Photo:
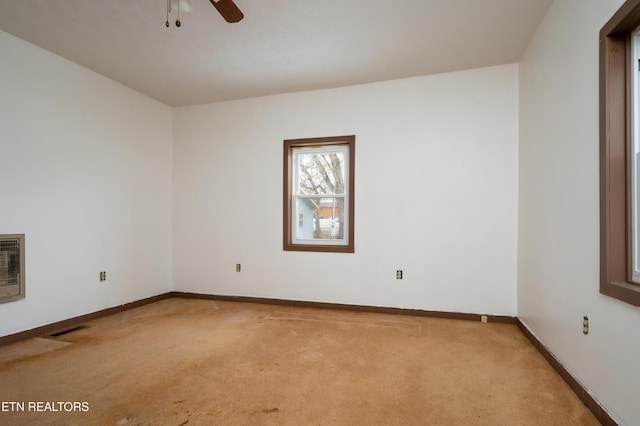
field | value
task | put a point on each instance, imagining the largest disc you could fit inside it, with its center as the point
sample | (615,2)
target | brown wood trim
(70,322)
(287,188)
(286,197)
(46,329)
(625,19)
(589,401)
(615,137)
(346,307)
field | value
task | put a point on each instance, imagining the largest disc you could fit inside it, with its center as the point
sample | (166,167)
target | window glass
(318,194)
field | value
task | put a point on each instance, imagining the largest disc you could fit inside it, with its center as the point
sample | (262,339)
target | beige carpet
(202,362)
(29,348)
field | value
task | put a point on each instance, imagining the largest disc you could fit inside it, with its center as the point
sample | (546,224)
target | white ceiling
(280,46)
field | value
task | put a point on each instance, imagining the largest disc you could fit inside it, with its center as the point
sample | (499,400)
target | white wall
(86,174)
(558,275)
(436,194)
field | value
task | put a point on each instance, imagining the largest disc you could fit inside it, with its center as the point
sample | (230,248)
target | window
(11,267)
(319,192)
(634,157)
(619,145)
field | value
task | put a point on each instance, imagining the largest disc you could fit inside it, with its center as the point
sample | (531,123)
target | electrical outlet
(585,325)
(399,274)
(483,318)
(238,267)
(103,276)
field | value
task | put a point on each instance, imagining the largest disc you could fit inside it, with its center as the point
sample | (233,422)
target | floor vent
(68,330)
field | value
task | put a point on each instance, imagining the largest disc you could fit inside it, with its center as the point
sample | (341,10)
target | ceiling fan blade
(228,10)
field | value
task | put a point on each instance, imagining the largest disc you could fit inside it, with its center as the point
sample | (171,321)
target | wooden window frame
(615,151)
(289,145)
